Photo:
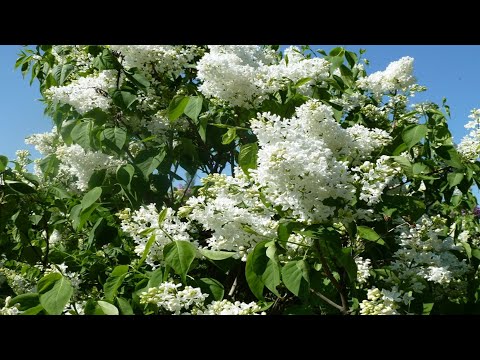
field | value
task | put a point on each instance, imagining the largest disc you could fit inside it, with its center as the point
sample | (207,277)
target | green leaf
(194,107)
(156,278)
(348,263)
(33,310)
(3,162)
(114,136)
(106,61)
(450,155)
(302,81)
(85,216)
(369,234)
(91,197)
(124,99)
(419,168)
(213,287)
(247,157)
(81,134)
(179,256)
(97,178)
(229,136)
(20,187)
(476,253)
(295,276)
(271,274)
(412,134)
(468,249)
(202,128)
(125,174)
(47,282)
(148,245)
(114,281)
(454,178)
(162,216)
(124,306)
(216,255)
(61,73)
(351,58)
(54,300)
(177,107)
(148,160)
(427,308)
(26,301)
(405,164)
(255,267)
(105,308)
(336,51)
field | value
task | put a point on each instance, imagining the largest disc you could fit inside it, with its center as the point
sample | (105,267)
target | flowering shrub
(237,180)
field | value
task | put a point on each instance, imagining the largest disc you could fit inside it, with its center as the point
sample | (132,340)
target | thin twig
(327,300)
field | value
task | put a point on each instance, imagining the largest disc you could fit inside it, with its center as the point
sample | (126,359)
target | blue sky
(448,71)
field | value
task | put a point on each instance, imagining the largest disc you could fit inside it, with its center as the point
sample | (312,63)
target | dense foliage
(237,180)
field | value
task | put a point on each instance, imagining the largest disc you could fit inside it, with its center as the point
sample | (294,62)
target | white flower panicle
(143,224)
(373,178)
(226,307)
(427,254)
(165,59)
(10,309)
(469,147)
(294,67)
(80,164)
(297,165)
(365,140)
(384,302)
(85,93)
(233,72)
(170,298)
(190,301)
(397,76)
(244,74)
(231,208)
(19,283)
(363,269)
(45,143)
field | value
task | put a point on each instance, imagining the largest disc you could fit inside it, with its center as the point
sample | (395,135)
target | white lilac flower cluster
(190,301)
(17,282)
(375,177)
(384,302)
(427,253)
(397,76)
(80,164)
(162,59)
(22,161)
(142,224)
(9,309)
(230,207)
(469,147)
(225,307)
(350,101)
(363,269)
(299,160)
(244,74)
(168,296)
(45,143)
(85,93)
